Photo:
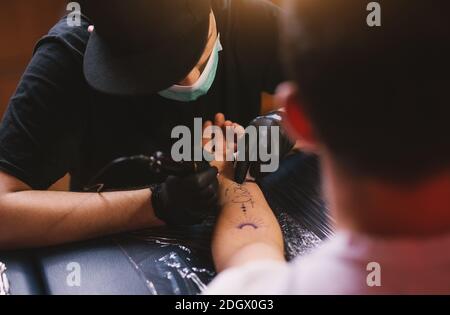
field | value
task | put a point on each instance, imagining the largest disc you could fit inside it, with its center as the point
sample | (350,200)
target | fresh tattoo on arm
(240,195)
(247,221)
(247,225)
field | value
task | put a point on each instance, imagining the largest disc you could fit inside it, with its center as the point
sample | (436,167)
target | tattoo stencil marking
(241,195)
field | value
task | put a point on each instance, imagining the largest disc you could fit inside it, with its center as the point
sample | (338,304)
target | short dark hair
(378,97)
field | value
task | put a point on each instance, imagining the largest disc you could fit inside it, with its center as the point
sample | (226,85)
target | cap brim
(145,73)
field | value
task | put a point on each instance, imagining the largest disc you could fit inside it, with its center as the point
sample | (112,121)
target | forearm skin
(42,218)
(246,223)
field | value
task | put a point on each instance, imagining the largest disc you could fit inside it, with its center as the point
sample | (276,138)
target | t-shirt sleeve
(256,278)
(41,131)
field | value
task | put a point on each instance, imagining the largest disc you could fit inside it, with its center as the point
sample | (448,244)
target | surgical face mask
(201,87)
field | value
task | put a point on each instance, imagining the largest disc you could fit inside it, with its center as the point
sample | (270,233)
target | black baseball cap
(141,47)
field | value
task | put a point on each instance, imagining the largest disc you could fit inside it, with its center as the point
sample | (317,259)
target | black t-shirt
(56,123)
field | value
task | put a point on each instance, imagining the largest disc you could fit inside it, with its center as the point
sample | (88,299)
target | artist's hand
(285,145)
(187,200)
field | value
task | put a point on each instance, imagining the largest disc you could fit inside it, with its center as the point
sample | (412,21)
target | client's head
(374,102)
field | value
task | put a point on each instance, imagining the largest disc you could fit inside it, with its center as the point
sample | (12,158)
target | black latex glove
(285,146)
(187,200)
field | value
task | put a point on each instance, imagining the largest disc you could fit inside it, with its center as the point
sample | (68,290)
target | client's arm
(246,229)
